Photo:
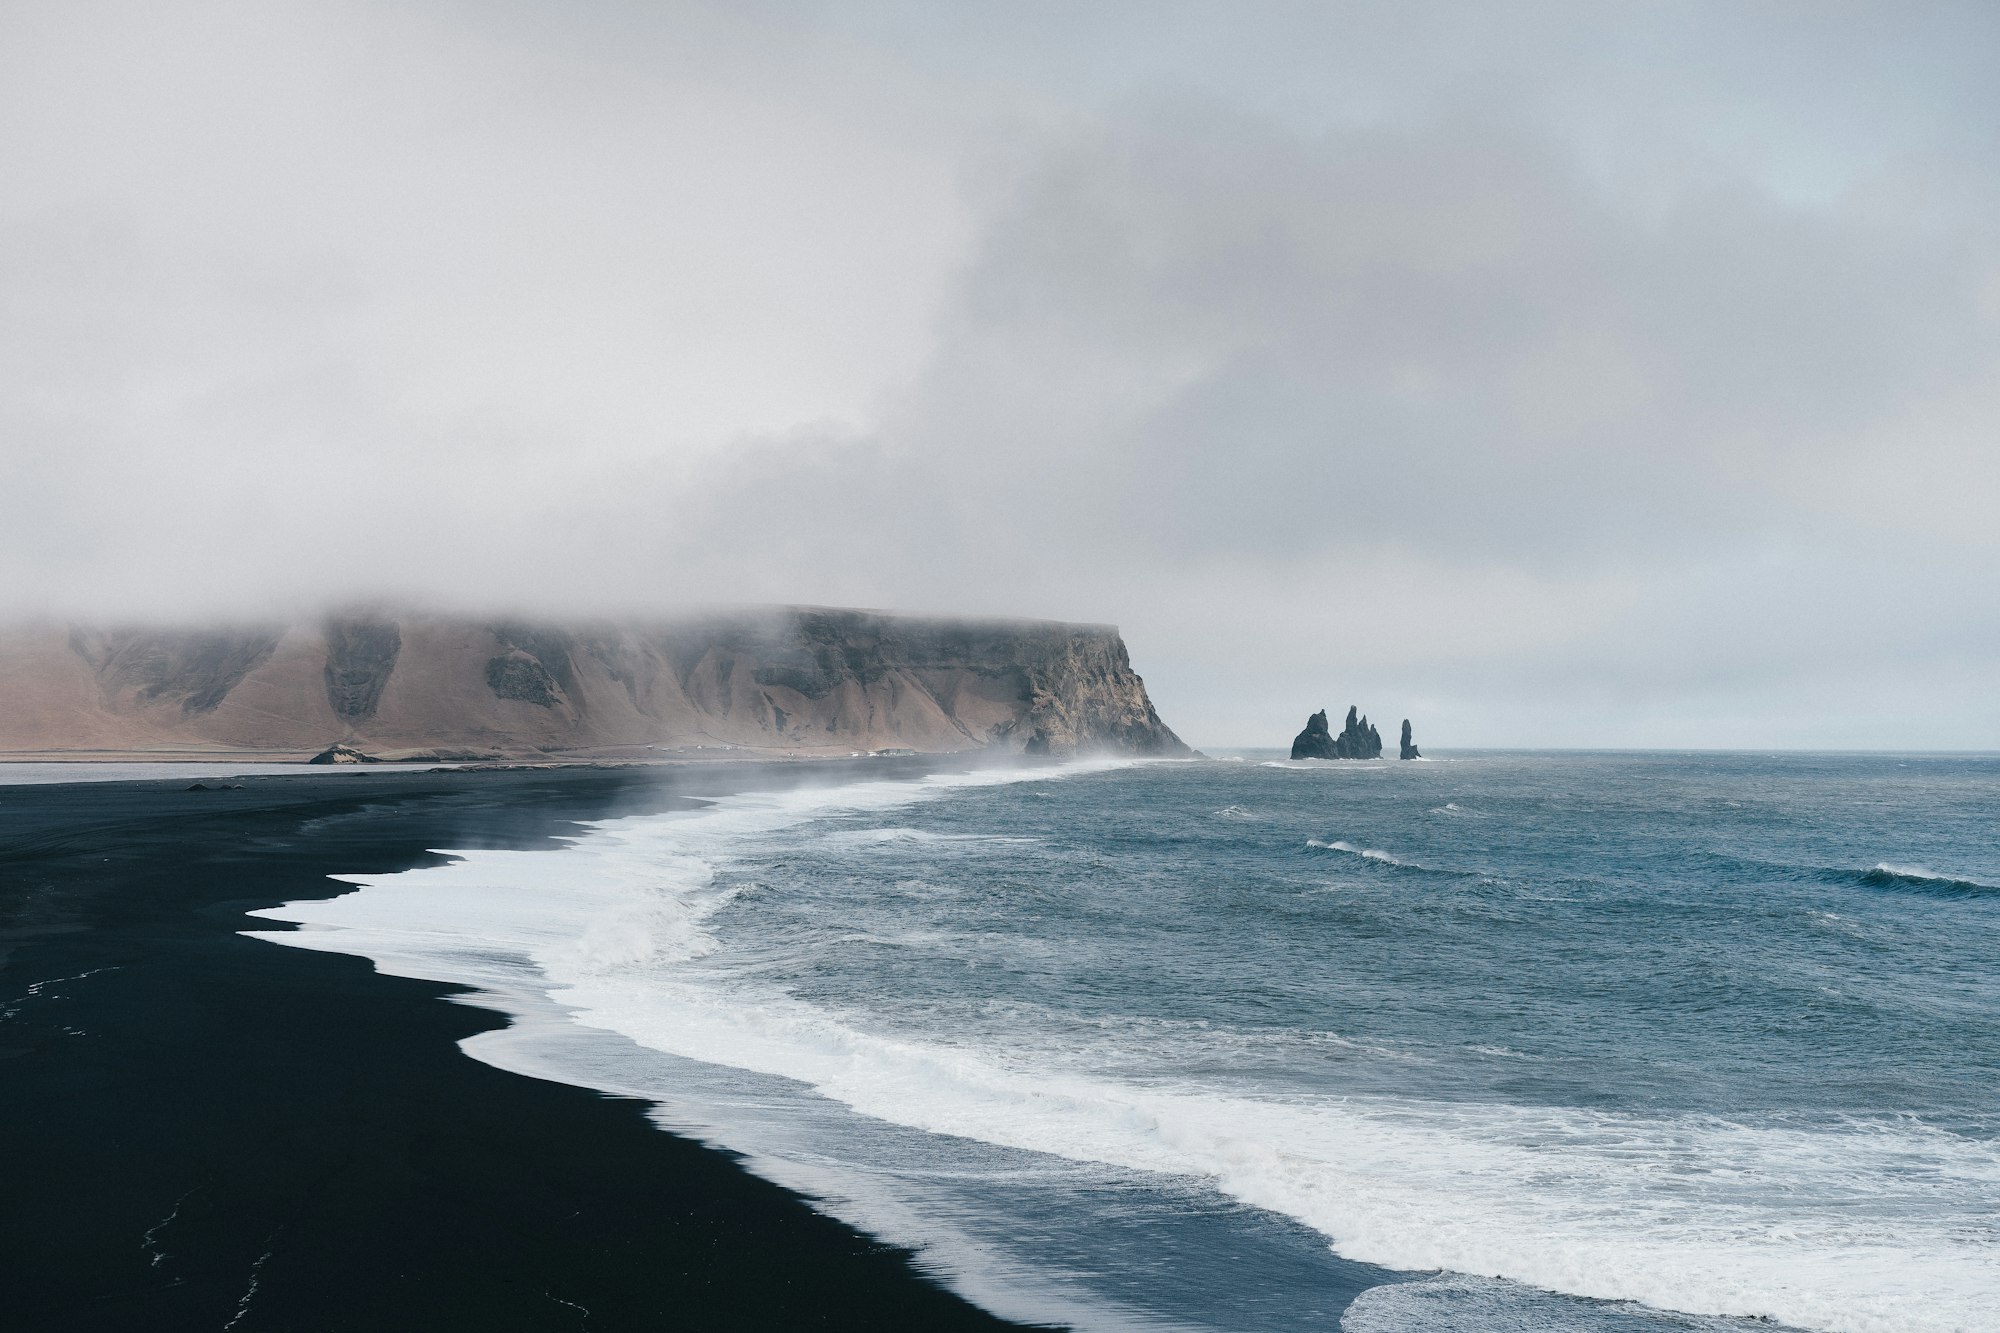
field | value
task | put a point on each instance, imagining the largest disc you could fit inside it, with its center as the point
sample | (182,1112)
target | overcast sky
(1572,374)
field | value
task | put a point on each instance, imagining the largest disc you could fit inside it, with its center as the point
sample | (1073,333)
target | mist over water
(1579,1033)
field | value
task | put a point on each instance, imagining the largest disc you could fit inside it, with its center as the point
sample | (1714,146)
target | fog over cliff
(1549,373)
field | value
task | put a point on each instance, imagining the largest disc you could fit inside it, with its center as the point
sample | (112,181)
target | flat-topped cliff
(793,679)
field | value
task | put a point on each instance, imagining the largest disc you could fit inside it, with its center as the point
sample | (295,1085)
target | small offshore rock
(1409,746)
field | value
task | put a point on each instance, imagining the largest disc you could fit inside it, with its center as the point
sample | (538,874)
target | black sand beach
(206,1132)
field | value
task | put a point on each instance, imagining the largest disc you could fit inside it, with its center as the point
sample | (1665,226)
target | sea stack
(1357,740)
(1409,746)
(1316,741)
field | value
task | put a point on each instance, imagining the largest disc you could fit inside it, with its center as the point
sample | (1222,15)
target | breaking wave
(1327,765)
(1389,861)
(1922,880)
(1693,1213)
(1365,853)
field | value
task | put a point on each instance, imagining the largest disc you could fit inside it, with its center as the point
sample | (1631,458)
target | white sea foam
(880,837)
(1366,853)
(1459,1303)
(1925,875)
(1876,1227)
(1327,765)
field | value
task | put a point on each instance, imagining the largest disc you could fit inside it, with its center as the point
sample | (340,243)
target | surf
(686,935)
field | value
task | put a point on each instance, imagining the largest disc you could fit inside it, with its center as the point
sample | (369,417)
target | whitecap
(1696,1214)
(1366,853)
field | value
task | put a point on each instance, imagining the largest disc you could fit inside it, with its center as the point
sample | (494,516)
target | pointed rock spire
(1316,741)
(1359,739)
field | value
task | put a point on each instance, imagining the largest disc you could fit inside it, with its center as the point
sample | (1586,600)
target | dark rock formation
(194,669)
(360,655)
(1409,746)
(1316,741)
(342,754)
(551,649)
(522,677)
(1357,740)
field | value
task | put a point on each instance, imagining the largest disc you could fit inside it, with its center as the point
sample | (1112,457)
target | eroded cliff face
(794,680)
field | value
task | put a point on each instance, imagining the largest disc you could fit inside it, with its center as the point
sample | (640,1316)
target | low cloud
(1482,396)
(1423,410)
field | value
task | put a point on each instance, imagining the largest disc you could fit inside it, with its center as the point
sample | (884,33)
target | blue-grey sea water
(1492,1041)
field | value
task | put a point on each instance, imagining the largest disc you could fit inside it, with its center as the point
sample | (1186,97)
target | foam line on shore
(1685,1213)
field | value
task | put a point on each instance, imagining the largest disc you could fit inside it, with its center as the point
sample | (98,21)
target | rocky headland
(785,680)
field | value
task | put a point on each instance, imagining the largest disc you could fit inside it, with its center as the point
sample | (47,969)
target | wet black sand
(203,1131)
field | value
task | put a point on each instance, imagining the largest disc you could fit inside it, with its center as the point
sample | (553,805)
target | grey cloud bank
(1552,375)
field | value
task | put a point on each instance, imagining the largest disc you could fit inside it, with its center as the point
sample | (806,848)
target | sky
(1553,374)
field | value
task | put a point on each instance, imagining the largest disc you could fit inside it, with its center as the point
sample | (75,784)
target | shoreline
(227,1134)
(618,756)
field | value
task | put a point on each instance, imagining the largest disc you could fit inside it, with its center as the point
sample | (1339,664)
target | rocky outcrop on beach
(790,680)
(1357,740)
(342,754)
(1409,745)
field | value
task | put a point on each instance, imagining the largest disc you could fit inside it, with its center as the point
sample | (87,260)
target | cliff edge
(793,680)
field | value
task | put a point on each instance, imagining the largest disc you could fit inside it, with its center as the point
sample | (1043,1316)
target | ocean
(1493,1041)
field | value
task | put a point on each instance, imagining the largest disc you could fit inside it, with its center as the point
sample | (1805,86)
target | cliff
(790,680)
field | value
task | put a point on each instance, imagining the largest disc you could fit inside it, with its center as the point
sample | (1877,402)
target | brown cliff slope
(797,679)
